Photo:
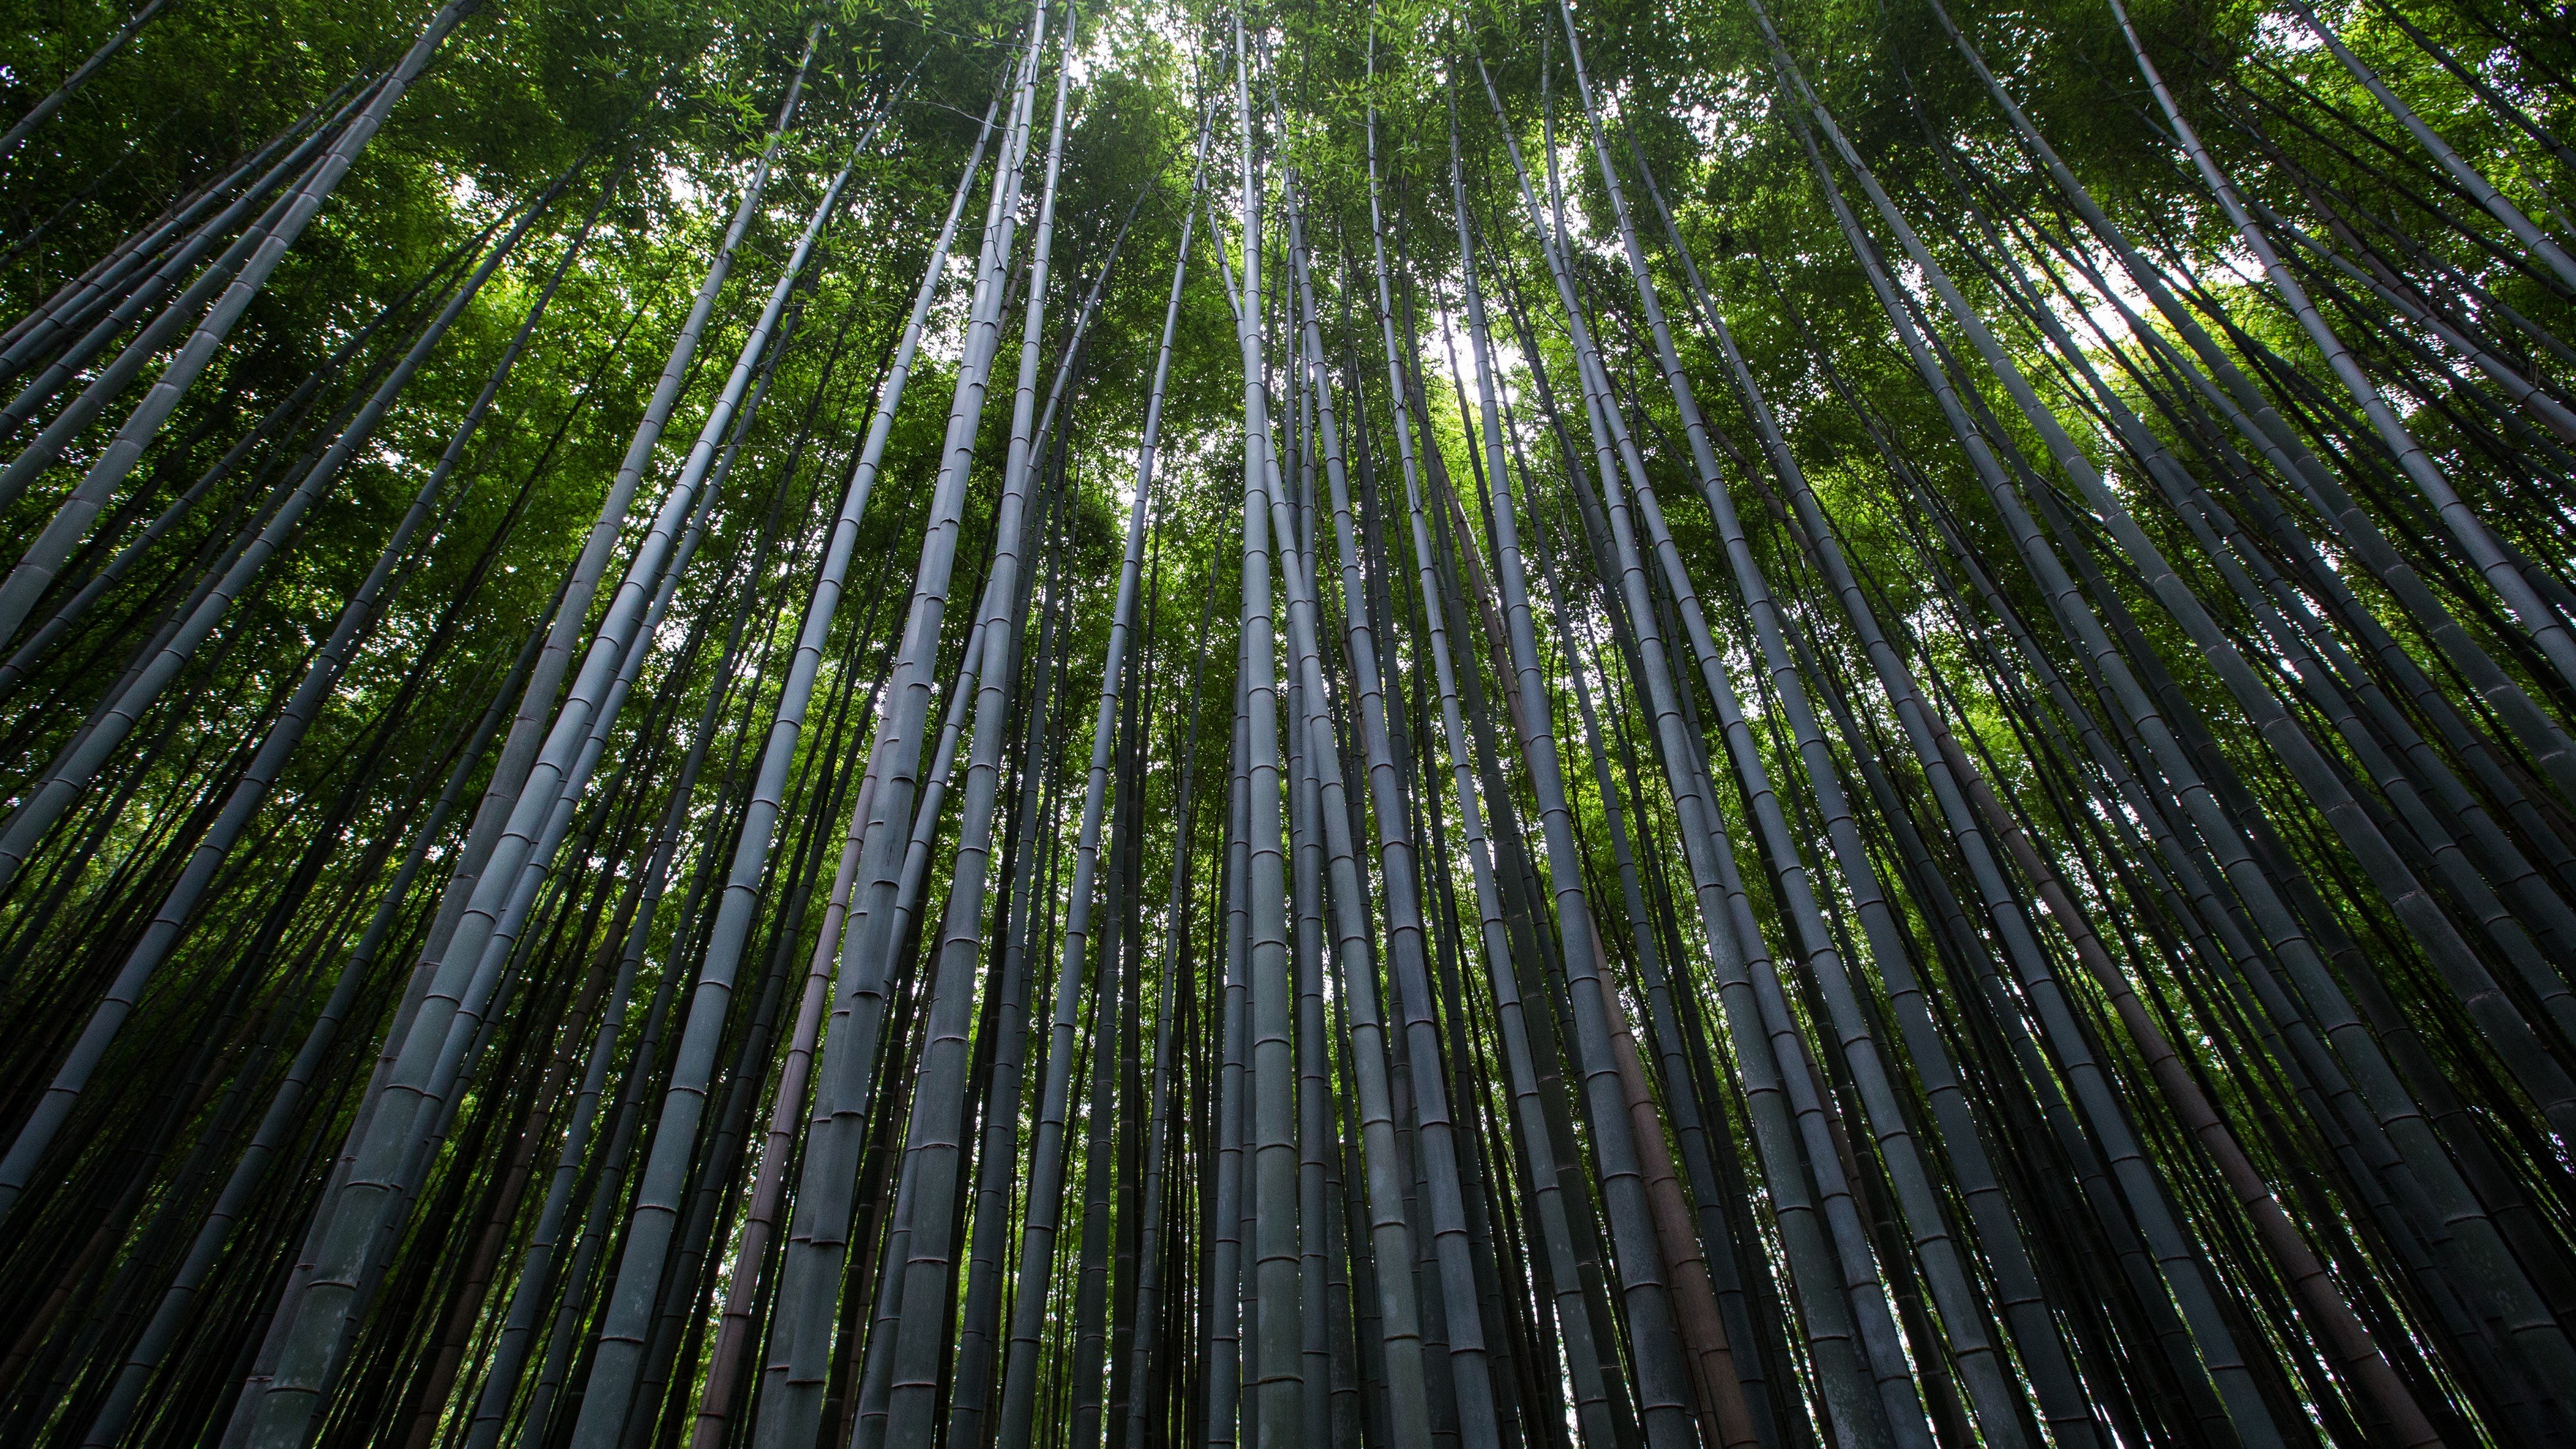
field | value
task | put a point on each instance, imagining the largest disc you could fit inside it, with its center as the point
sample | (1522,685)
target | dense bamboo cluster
(1564,848)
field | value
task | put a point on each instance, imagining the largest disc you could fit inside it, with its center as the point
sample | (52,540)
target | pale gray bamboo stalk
(2471,180)
(715,1400)
(46,449)
(802,1337)
(2546,629)
(105,282)
(1442,1162)
(2261,423)
(2551,1087)
(528,729)
(1221,1324)
(53,101)
(1574,1323)
(2024,1308)
(932,1155)
(1271,1178)
(971,1376)
(321,677)
(80,761)
(2422,1172)
(1146,1317)
(1043,1213)
(71,521)
(143,1360)
(630,1303)
(449,1016)
(1662,1377)
(486,998)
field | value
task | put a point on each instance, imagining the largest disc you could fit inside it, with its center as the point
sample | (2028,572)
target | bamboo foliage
(1896,769)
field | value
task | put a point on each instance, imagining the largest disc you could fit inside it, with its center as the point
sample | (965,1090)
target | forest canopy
(1711,724)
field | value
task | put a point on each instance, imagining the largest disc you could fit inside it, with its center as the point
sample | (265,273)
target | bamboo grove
(1729,723)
